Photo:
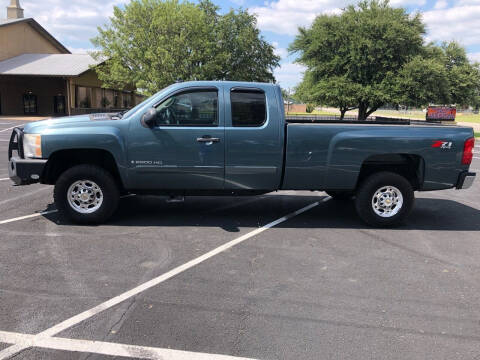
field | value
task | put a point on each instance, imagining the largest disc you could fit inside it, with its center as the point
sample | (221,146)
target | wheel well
(63,160)
(409,166)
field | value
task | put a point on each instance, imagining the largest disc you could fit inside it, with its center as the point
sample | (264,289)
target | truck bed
(330,154)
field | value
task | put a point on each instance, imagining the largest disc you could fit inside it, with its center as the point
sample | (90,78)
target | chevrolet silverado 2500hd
(232,138)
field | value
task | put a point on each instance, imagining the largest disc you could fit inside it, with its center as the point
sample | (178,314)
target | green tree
(463,77)
(336,91)
(240,52)
(353,59)
(153,43)
(441,75)
(423,81)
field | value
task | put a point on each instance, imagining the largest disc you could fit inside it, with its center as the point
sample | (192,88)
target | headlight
(32,146)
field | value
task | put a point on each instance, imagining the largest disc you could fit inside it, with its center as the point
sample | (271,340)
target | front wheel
(384,199)
(86,194)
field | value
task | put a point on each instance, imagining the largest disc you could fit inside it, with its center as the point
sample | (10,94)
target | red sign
(441,113)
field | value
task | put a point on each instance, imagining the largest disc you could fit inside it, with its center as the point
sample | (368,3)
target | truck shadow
(233,213)
(427,214)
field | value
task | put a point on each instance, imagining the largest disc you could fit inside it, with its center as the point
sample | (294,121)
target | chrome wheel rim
(387,201)
(85,196)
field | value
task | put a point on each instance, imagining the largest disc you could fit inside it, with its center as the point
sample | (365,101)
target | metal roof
(47,64)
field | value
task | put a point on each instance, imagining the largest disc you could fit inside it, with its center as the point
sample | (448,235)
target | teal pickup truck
(232,138)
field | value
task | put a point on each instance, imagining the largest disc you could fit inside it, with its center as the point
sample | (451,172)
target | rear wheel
(384,199)
(341,195)
(86,194)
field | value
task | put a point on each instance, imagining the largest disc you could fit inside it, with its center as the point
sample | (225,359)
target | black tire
(367,190)
(341,195)
(102,178)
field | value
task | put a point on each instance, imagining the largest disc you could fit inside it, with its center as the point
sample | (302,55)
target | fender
(107,138)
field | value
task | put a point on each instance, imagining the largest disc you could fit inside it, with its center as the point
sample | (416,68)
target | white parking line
(4,179)
(27,217)
(12,350)
(10,128)
(108,348)
(43,213)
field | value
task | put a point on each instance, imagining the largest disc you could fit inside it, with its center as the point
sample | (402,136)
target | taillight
(468,151)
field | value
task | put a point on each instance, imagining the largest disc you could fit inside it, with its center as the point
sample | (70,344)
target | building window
(127,100)
(30,103)
(84,97)
(108,99)
(115,100)
(248,107)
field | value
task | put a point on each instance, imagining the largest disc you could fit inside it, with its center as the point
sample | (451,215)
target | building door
(59,105)
(29,104)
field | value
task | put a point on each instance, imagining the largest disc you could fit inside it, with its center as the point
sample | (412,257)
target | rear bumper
(25,171)
(465,180)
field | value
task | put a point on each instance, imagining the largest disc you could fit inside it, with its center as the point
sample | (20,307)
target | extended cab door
(185,149)
(254,137)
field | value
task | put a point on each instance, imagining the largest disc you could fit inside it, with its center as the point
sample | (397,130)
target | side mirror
(148,119)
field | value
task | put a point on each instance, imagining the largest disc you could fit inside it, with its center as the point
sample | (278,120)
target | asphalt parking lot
(225,278)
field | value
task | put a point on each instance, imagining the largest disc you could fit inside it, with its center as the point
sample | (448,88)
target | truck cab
(209,136)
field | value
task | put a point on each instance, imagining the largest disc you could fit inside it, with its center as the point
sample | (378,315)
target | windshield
(133,110)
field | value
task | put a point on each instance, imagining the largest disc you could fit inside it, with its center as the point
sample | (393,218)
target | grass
(418,115)
(414,115)
(473,118)
(477,134)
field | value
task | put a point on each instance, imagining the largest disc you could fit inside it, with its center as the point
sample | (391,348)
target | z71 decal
(442,144)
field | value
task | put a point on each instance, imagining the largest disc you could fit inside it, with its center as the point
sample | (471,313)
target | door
(30,104)
(59,105)
(185,148)
(254,135)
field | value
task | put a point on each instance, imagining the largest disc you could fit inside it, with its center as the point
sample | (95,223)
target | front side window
(248,108)
(194,108)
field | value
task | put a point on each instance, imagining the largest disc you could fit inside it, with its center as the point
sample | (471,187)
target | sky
(74,22)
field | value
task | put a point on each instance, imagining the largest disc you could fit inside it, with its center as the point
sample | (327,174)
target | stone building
(40,76)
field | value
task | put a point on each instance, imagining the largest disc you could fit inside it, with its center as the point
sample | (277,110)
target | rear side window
(249,108)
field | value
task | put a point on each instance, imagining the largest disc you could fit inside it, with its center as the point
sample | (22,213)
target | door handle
(207,139)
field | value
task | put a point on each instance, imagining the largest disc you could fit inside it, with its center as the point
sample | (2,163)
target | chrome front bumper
(20,170)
